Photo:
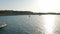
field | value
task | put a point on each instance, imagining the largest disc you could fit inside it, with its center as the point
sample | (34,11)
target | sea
(30,24)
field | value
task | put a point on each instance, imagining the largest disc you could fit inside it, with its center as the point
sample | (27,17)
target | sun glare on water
(49,23)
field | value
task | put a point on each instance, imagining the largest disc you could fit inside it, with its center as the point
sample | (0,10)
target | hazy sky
(32,5)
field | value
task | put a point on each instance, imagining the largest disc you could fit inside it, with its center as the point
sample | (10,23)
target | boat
(3,25)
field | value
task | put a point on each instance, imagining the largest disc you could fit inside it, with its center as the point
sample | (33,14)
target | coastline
(10,13)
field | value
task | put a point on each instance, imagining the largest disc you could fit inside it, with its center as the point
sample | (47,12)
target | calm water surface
(33,24)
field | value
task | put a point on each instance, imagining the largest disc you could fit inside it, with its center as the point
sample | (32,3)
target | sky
(31,5)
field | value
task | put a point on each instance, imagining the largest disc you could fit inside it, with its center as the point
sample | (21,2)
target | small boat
(3,25)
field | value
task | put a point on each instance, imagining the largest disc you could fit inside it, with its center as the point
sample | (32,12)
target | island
(12,12)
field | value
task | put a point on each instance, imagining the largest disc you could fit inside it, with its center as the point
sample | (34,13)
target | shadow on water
(3,30)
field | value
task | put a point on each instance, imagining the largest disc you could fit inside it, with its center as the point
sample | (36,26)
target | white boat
(3,25)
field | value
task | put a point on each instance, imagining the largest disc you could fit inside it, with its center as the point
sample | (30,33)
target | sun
(46,5)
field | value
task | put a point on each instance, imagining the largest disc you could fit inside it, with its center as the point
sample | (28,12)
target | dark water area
(23,24)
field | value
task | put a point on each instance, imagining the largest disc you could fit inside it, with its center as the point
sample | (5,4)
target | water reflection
(49,23)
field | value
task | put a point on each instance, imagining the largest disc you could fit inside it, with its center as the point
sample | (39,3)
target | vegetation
(11,12)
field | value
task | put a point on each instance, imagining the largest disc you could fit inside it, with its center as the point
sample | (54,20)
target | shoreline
(11,13)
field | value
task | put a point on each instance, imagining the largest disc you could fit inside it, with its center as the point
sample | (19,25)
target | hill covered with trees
(12,12)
